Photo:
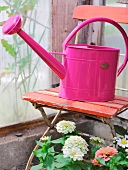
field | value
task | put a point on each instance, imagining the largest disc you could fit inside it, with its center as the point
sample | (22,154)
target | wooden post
(92,33)
(82,36)
(83,2)
(62,24)
(95,33)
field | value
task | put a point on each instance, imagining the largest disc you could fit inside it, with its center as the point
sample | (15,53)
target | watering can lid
(93,47)
(7,28)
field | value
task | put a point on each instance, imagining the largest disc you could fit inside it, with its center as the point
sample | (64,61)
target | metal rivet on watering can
(104,65)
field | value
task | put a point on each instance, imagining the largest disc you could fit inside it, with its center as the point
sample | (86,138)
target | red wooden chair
(105,111)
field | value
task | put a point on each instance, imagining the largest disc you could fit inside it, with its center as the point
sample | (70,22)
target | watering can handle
(101,19)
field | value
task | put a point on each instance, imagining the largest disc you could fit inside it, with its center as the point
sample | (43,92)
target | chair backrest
(118,14)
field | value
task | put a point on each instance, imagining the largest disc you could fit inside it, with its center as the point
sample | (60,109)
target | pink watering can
(87,72)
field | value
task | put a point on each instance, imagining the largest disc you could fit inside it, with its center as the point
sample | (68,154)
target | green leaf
(38,153)
(9,48)
(41,159)
(48,163)
(60,165)
(125,163)
(59,141)
(3,8)
(85,165)
(120,130)
(120,167)
(40,143)
(112,167)
(117,157)
(51,151)
(22,62)
(28,6)
(77,167)
(100,168)
(44,154)
(101,161)
(61,161)
(60,158)
(37,167)
(93,151)
(69,167)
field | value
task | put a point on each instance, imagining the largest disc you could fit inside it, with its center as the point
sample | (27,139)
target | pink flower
(106,153)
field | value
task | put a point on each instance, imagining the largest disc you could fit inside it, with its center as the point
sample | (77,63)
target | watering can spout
(13,25)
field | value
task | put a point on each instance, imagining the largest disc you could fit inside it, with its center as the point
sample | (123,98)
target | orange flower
(95,162)
(106,153)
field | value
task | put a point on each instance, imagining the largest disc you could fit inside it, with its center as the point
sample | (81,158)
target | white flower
(122,142)
(65,126)
(126,150)
(74,153)
(126,136)
(76,142)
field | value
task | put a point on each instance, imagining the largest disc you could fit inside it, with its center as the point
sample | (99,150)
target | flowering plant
(75,154)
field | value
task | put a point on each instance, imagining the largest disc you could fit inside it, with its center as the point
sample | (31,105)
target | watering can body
(90,73)
(87,72)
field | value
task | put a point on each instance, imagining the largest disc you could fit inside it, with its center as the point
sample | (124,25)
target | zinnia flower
(105,153)
(74,153)
(96,162)
(123,142)
(65,126)
(75,145)
(96,141)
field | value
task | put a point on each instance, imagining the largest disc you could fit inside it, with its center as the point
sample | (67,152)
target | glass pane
(21,70)
(113,38)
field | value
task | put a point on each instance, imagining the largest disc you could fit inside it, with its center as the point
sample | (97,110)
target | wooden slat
(119,107)
(125,103)
(118,14)
(60,103)
(121,98)
(53,89)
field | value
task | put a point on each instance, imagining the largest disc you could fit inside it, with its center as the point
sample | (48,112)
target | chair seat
(50,98)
